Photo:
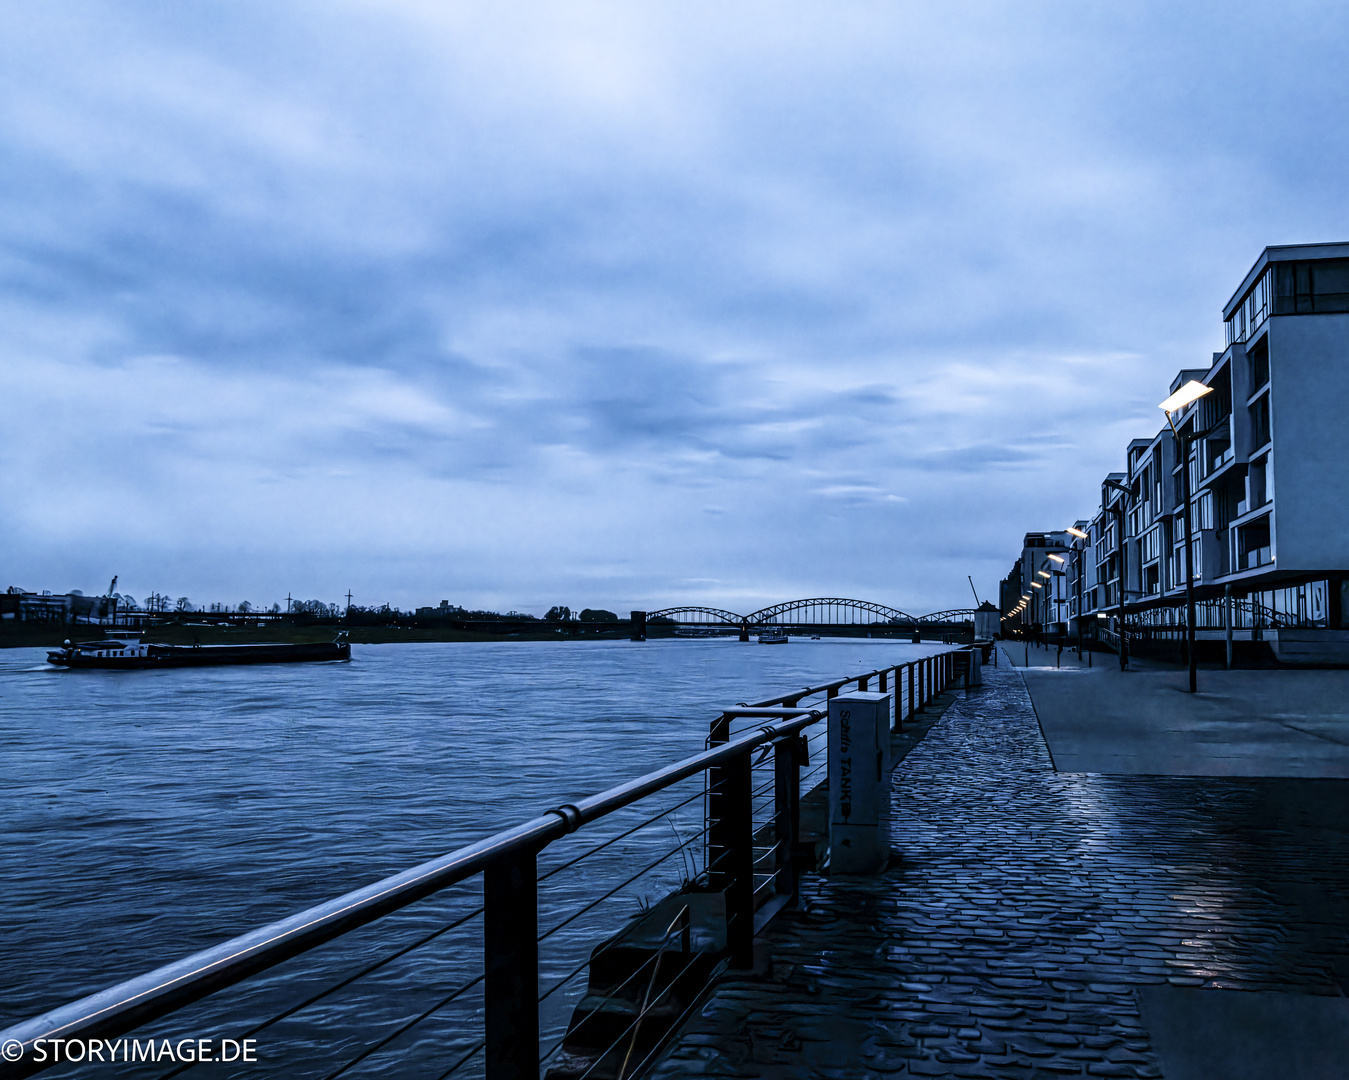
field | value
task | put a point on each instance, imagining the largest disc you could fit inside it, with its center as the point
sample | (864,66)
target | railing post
(912,709)
(730,856)
(862,682)
(788,756)
(511,983)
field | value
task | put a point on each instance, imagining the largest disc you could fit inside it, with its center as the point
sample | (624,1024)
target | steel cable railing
(342,985)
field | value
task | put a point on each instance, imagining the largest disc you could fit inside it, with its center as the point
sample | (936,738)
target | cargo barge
(130,652)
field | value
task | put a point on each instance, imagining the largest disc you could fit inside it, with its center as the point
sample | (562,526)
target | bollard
(859,783)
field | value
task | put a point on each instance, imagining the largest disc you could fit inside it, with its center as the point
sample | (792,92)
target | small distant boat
(773,637)
(129,653)
(814,637)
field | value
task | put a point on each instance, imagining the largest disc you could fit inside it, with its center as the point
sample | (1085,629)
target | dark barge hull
(175,656)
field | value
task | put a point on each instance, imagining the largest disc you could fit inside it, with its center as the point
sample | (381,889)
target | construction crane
(112,588)
(972,589)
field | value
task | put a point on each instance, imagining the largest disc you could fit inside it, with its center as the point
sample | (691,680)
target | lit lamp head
(1034,584)
(1074,531)
(1192,391)
(1058,559)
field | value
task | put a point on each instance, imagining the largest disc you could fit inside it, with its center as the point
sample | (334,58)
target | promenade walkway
(1036,923)
(1283,722)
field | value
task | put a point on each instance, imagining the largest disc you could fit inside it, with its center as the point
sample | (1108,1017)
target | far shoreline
(33,637)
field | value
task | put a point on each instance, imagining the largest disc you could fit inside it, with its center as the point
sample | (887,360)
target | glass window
(1258,359)
(1307,288)
(1259,412)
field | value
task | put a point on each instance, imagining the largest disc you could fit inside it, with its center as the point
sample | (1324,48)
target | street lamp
(1118,511)
(1192,391)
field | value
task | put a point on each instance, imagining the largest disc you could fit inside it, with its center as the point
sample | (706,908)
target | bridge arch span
(709,615)
(950,615)
(811,611)
(822,607)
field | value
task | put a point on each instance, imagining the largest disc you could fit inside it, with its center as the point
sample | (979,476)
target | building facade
(1268,477)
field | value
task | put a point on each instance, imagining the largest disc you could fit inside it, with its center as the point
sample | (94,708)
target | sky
(619,305)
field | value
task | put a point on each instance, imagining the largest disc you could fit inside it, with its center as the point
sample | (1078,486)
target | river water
(149,814)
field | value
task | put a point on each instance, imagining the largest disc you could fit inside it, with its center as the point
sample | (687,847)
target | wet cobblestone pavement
(1026,910)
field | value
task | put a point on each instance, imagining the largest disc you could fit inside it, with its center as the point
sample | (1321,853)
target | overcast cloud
(618,305)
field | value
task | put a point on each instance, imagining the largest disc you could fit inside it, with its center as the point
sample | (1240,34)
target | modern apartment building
(1269,482)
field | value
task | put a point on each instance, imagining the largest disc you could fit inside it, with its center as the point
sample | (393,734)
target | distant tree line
(182,608)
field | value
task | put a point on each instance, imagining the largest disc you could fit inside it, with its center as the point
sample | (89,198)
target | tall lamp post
(1192,391)
(1062,598)
(1118,511)
(1078,573)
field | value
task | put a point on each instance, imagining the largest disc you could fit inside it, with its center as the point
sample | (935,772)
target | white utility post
(859,783)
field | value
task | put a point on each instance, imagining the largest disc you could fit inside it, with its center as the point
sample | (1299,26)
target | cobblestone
(1025,908)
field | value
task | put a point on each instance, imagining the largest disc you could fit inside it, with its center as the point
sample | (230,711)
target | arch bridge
(816,613)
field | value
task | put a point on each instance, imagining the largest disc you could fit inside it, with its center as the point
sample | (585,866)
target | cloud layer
(617,306)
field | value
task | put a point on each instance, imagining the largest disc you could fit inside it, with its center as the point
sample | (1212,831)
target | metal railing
(752,861)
